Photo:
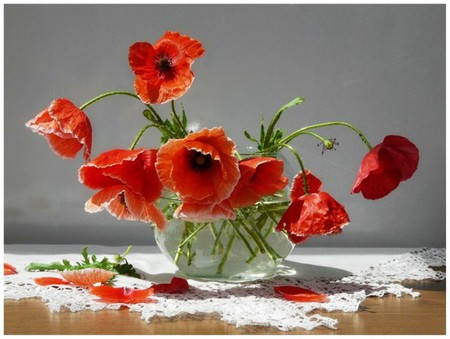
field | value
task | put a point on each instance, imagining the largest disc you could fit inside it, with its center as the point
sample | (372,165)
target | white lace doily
(252,303)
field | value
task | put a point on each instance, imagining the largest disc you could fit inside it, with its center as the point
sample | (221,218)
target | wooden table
(388,315)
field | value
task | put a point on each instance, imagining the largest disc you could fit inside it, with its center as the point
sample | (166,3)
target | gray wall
(381,67)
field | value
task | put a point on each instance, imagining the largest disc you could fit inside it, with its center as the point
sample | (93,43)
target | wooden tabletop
(388,315)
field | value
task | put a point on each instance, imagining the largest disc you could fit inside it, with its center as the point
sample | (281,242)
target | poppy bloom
(298,185)
(128,184)
(385,166)
(313,214)
(259,176)
(204,212)
(163,71)
(66,128)
(200,168)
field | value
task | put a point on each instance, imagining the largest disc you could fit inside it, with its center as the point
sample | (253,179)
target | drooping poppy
(313,214)
(66,128)
(126,295)
(163,71)
(260,176)
(128,184)
(385,166)
(200,168)
(298,185)
(299,294)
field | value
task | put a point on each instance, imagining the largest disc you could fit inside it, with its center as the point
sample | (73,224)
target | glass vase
(247,248)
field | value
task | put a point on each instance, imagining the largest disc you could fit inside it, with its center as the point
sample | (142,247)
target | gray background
(381,67)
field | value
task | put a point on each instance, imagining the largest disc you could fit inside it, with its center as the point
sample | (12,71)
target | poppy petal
(121,294)
(192,48)
(176,285)
(88,276)
(300,294)
(144,210)
(9,269)
(46,281)
(140,57)
(260,176)
(205,212)
(147,90)
(298,186)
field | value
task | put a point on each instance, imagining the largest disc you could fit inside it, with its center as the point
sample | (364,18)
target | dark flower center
(164,66)
(199,162)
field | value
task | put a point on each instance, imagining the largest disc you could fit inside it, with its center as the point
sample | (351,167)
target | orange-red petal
(260,176)
(300,294)
(88,277)
(191,48)
(205,212)
(121,294)
(9,269)
(46,281)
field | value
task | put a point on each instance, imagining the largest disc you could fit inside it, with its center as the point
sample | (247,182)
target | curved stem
(295,134)
(107,94)
(300,162)
(139,136)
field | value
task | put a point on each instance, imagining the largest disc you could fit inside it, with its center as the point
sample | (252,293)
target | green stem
(300,162)
(216,242)
(107,94)
(247,244)
(177,119)
(194,233)
(277,116)
(295,134)
(225,255)
(139,136)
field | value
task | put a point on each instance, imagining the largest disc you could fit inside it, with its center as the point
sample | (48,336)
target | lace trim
(253,303)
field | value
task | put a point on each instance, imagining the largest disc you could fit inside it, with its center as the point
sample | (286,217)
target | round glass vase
(244,249)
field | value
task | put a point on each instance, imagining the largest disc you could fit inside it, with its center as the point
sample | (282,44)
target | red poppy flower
(385,166)
(259,176)
(121,294)
(66,128)
(313,214)
(128,183)
(200,168)
(163,71)
(298,186)
(300,294)
(9,269)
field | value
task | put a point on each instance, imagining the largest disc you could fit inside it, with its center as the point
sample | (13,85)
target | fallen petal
(300,294)
(121,294)
(46,281)
(176,285)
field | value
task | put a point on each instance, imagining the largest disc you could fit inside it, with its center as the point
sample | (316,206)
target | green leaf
(249,137)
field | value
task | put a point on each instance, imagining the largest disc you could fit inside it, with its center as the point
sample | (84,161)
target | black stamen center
(164,64)
(199,161)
